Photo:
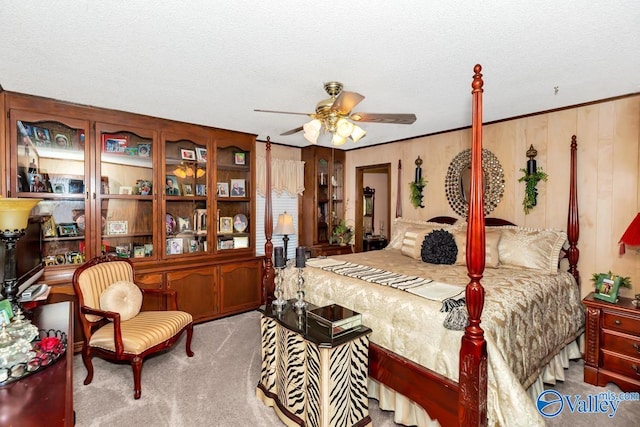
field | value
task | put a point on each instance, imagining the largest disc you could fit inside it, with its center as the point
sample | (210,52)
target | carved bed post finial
(399,195)
(472,400)
(268,273)
(573,223)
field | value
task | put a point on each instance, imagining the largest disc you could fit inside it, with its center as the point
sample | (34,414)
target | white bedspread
(528,318)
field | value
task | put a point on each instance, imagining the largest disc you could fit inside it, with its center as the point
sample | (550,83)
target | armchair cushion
(143,331)
(122,297)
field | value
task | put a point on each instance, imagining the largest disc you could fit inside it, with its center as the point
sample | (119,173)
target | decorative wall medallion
(457,182)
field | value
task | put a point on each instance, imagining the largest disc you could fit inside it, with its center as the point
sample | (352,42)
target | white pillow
(491,242)
(401,225)
(122,297)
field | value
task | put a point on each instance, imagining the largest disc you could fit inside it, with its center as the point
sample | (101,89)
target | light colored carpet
(217,386)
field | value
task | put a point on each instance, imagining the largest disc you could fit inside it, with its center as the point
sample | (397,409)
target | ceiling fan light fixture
(358,133)
(312,130)
(200,173)
(344,127)
(338,140)
(180,172)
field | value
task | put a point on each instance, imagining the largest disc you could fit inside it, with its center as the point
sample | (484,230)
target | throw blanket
(426,288)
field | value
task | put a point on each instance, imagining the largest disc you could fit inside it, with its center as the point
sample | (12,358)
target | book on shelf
(336,319)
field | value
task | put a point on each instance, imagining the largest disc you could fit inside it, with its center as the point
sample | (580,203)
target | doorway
(378,178)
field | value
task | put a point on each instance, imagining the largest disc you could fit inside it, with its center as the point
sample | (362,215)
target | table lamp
(14,218)
(631,236)
(285,227)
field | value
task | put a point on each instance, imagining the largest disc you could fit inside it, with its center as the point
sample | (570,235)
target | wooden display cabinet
(323,202)
(102,175)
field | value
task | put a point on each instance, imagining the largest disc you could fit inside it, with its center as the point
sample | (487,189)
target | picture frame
(49,228)
(144,150)
(148,249)
(201,190)
(6,313)
(607,287)
(223,189)
(184,224)
(131,151)
(117,227)
(62,141)
(187,190)
(104,185)
(201,154)
(225,244)
(239,157)
(237,188)
(226,224)
(194,246)
(187,154)
(114,143)
(138,252)
(76,186)
(240,242)
(171,186)
(126,190)
(175,246)
(67,230)
(42,136)
(200,221)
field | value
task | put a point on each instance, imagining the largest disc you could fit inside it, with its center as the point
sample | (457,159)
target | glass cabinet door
(185,187)
(325,215)
(48,156)
(233,198)
(337,191)
(125,191)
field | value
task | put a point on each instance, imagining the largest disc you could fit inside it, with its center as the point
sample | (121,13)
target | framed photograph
(200,221)
(37,184)
(42,136)
(49,228)
(184,224)
(187,190)
(201,154)
(193,245)
(171,186)
(6,313)
(223,189)
(131,151)
(138,252)
(237,188)
(187,154)
(201,190)
(76,186)
(125,190)
(239,157)
(117,227)
(144,150)
(226,224)
(607,286)
(174,246)
(114,143)
(148,249)
(61,140)
(225,244)
(240,242)
(67,230)
(104,185)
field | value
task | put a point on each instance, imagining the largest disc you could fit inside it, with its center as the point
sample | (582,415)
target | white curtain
(287,176)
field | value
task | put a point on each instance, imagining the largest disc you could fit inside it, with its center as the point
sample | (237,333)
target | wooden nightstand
(612,351)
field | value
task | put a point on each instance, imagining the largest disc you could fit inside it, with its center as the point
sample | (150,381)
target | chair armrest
(171,294)
(117,332)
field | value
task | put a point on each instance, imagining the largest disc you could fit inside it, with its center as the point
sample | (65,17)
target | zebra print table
(310,382)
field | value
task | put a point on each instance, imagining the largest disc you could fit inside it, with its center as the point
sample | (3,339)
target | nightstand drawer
(621,323)
(626,366)
(621,344)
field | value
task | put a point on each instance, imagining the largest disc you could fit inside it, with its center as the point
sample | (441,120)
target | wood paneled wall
(608,179)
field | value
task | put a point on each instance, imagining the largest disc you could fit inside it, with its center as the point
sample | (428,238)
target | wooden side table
(330,250)
(310,379)
(612,351)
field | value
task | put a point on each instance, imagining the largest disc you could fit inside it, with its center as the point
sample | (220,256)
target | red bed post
(472,399)
(268,273)
(573,224)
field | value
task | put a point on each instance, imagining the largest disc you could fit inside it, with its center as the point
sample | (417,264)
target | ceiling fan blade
(282,112)
(402,119)
(345,102)
(292,131)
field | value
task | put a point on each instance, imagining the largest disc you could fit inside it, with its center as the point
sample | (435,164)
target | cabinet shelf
(63,238)
(125,197)
(233,167)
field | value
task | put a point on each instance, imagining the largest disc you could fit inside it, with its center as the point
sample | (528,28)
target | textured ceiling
(214,62)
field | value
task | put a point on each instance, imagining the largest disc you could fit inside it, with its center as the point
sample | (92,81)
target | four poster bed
(427,372)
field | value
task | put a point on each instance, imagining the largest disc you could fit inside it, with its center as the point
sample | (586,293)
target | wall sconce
(417,186)
(532,175)
(631,236)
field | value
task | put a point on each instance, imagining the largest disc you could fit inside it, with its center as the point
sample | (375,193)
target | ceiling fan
(334,115)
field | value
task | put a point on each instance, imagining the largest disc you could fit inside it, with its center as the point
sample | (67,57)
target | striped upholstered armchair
(114,328)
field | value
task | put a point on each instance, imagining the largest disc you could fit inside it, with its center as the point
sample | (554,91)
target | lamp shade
(357,133)
(14,213)
(180,172)
(312,130)
(344,128)
(631,236)
(338,140)
(285,224)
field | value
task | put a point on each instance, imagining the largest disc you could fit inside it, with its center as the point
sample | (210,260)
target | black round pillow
(439,247)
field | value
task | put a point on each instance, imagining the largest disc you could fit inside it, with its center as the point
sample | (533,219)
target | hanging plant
(530,190)
(416,193)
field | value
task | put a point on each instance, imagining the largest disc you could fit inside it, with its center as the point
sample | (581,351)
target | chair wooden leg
(136,364)
(88,364)
(189,336)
